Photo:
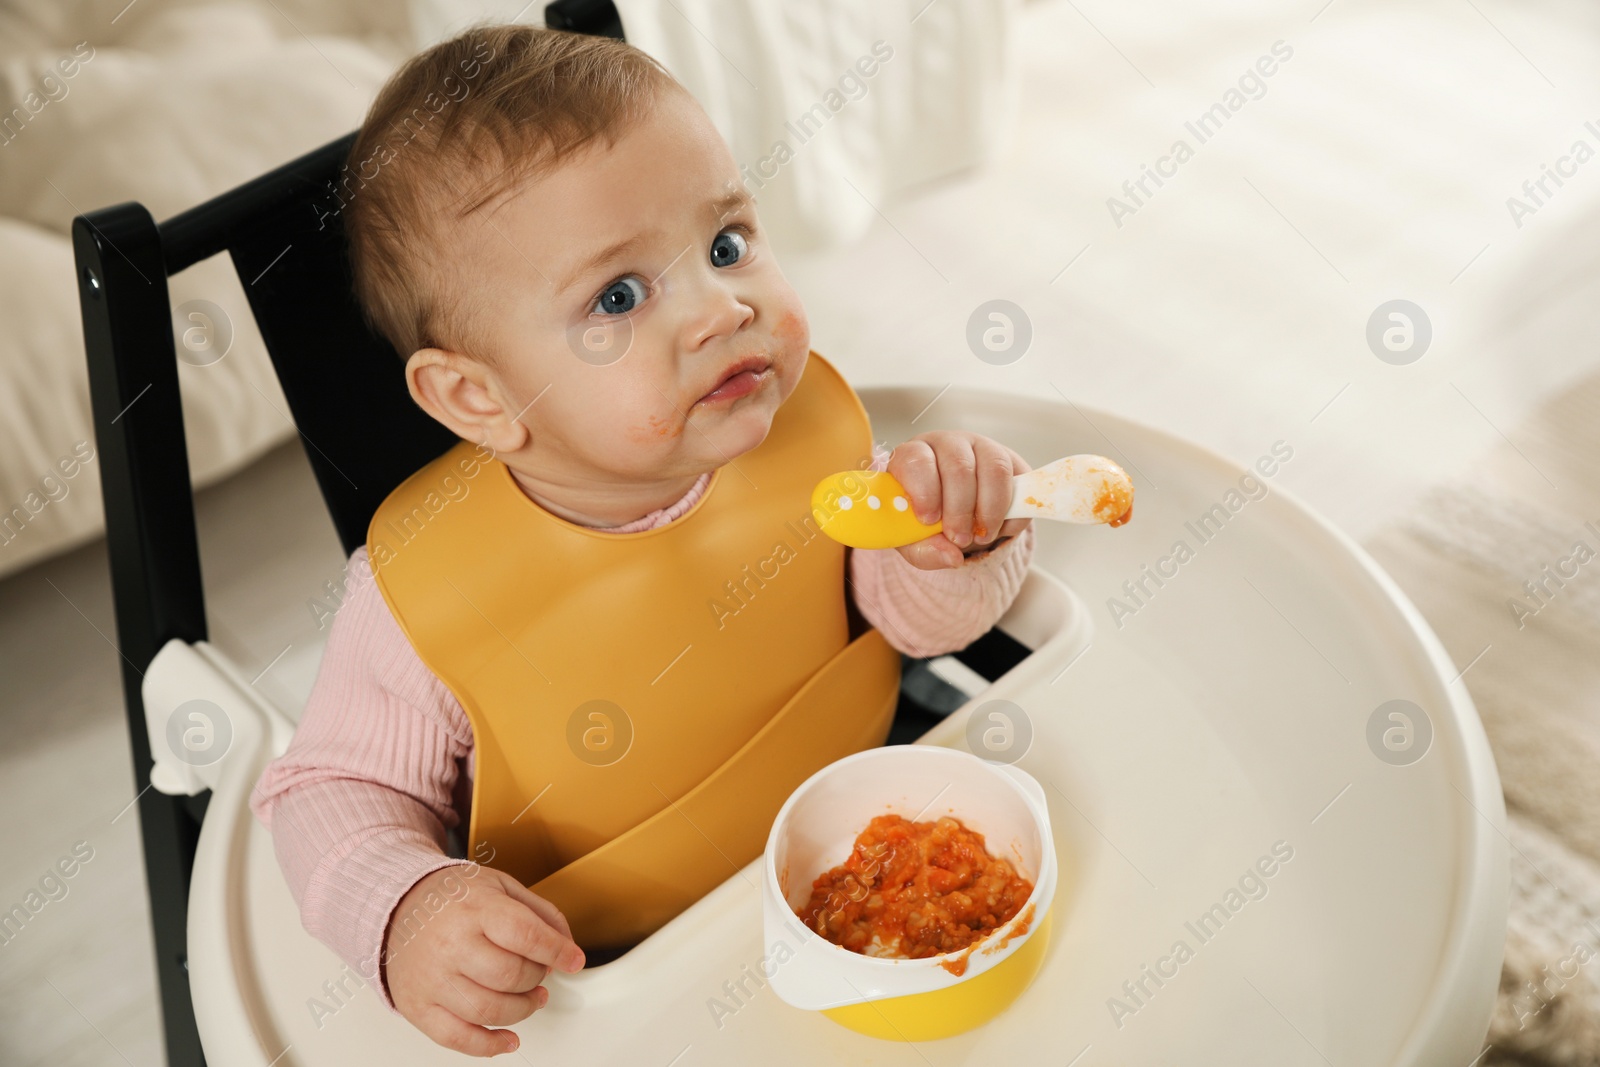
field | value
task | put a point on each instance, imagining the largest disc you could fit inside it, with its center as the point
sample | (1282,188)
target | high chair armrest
(210,729)
(200,712)
(1047,616)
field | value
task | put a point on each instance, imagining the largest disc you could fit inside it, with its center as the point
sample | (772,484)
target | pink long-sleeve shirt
(381,764)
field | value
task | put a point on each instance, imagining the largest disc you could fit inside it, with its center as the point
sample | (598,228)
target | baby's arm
(358,808)
(931,612)
(359,804)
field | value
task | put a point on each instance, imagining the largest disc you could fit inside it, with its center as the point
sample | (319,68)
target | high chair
(1186,717)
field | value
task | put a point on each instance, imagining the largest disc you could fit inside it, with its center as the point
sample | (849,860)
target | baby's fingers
(514,926)
(545,910)
(446,1028)
(475,1003)
(932,553)
(915,467)
(993,466)
(493,967)
(1013,527)
(958,484)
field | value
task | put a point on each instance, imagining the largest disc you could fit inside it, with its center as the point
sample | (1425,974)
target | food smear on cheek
(790,330)
(656,427)
(910,890)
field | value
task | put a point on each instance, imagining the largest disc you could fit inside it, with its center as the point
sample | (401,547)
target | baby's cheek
(792,331)
(655,429)
(633,413)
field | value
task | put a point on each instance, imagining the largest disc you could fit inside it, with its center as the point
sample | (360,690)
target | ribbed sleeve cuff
(352,887)
(357,901)
(931,612)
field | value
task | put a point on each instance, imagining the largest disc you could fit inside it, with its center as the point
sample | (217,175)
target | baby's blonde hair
(452,129)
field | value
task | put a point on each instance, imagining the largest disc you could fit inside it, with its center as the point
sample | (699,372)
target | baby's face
(634,283)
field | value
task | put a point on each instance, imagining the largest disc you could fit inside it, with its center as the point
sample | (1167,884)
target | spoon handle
(870,509)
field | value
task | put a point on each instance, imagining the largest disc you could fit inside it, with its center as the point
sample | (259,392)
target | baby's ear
(457,391)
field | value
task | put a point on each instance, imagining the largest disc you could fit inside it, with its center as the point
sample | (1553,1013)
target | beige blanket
(1506,568)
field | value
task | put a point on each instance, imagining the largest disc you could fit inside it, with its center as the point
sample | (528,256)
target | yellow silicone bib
(641,704)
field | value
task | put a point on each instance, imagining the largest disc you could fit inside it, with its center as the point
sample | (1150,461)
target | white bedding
(834,107)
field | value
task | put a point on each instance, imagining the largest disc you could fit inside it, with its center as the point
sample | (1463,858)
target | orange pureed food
(915,889)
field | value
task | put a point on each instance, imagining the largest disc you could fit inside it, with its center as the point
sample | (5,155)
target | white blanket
(833,107)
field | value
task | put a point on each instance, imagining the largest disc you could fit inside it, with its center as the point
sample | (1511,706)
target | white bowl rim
(1047,866)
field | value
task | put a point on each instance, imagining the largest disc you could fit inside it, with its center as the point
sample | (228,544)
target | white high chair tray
(1228,712)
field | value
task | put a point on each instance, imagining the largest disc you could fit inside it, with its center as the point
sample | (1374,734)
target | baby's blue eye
(620,297)
(728,248)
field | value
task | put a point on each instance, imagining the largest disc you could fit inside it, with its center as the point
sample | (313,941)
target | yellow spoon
(870,509)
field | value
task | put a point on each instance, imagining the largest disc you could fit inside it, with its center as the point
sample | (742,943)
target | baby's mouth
(740,379)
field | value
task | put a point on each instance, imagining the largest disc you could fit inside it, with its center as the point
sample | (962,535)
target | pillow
(174,118)
(186,102)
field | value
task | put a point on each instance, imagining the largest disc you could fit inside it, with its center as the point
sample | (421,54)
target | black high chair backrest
(361,431)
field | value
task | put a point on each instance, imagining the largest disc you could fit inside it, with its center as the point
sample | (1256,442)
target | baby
(554,236)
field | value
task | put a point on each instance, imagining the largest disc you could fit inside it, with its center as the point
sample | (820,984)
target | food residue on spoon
(910,890)
(1081,488)
(1114,505)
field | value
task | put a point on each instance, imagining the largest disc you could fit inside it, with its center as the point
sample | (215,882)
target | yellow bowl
(955,1009)
(907,999)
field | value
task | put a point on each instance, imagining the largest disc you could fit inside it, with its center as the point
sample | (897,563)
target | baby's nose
(719,313)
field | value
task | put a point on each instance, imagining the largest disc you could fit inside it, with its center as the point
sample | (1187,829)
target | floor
(77,984)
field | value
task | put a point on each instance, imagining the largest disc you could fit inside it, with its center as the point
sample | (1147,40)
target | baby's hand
(964,481)
(477,962)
